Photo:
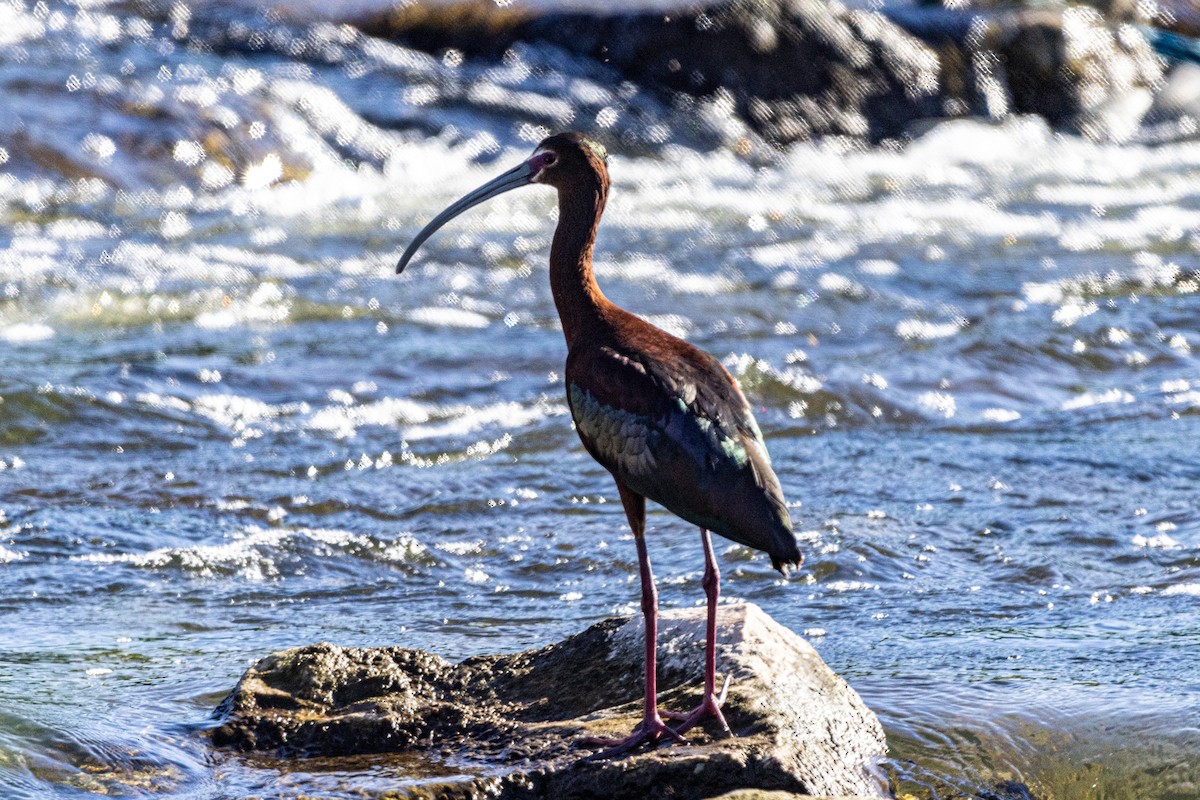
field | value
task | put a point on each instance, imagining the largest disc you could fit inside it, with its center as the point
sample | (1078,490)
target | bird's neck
(580,302)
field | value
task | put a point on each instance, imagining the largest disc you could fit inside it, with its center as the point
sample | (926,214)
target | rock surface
(792,69)
(1079,71)
(511,726)
(1180,16)
(1177,106)
(799,69)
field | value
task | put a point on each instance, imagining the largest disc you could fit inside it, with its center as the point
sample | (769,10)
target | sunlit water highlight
(226,427)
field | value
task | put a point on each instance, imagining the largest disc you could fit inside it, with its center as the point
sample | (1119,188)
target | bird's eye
(549,159)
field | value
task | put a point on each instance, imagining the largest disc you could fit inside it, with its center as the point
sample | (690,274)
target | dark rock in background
(799,69)
(1176,110)
(794,69)
(511,726)
(1080,72)
(1180,16)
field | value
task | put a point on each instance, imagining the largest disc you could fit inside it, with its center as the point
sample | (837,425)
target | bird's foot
(711,704)
(650,731)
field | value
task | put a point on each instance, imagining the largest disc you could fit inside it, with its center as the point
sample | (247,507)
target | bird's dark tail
(777,539)
(781,540)
(786,554)
(784,565)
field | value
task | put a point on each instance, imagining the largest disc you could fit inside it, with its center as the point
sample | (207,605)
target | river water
(226,427)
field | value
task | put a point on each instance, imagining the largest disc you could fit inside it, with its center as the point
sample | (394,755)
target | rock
(1080,72)
(512,725)
(758,794)
(799,69)
(1180,16)
(1179,101)
(793,69)
(1113,10)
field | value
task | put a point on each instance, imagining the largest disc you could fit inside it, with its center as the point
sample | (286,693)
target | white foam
(851,586)
(1149,273)
(674,324)
(839,284)
(475,575)
(1089,399)
(925,330)
(26,332)
(774,256)
(1072,311)
(236,412)
(449,318)
(18,25)
(1188,399)
(467,419)
(1159,542)
(265,305)
(254,554)
(461,548)
(938,403)
(74,229)
(944,184)
(247,554)
(164,402)
(8,556)
(405,549)
(343,420)
(1043,293)
(878,266)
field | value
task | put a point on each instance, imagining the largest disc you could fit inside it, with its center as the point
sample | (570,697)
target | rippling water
(226,427)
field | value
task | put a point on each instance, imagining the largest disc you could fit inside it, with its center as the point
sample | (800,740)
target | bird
(665,418)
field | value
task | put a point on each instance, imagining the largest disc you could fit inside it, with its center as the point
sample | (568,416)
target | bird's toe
(652,732)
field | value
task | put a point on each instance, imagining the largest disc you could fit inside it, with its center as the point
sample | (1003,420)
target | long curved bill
(517,176)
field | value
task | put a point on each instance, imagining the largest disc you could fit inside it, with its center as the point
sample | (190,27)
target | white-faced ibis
(665,418)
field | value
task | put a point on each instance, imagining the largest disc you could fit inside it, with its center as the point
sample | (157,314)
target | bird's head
(570,158)
(562,160)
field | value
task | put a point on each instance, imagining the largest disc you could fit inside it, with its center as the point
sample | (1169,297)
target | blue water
(226,427)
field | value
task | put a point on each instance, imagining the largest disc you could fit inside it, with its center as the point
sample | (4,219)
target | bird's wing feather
(615,417)
(629,407)
(672,426)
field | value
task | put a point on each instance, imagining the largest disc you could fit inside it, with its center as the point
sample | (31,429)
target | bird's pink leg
(652,729)
(711,704)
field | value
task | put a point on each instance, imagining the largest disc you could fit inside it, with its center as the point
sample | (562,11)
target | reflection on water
(226,427)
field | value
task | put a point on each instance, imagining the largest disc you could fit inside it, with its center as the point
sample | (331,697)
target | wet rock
(798,69)
(1113,10)
(1179,16)
(512,726)
(1176,109)
(1079,71)
(759,794)
(792,69)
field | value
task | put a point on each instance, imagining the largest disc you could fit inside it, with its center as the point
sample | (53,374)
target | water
(226,427)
